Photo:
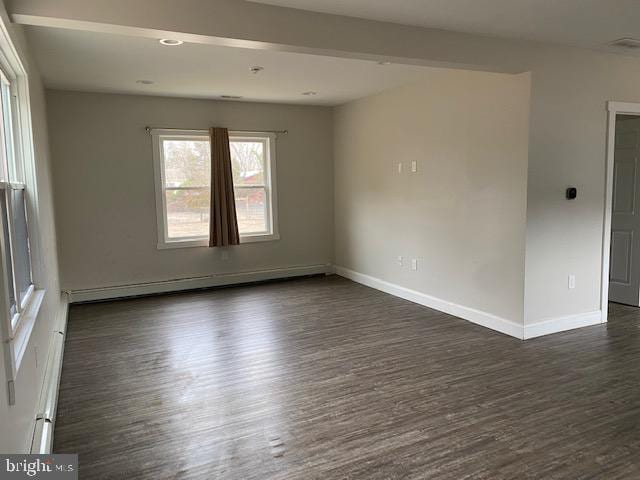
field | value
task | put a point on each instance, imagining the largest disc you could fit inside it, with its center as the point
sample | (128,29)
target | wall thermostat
(572,193)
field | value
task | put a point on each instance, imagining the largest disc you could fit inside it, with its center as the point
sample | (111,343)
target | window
(250,184)
(20,299)
(183,186)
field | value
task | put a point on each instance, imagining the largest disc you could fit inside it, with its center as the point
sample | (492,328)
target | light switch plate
(414,166)
(414,264)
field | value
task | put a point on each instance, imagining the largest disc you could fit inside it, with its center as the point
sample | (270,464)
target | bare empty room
(302,239)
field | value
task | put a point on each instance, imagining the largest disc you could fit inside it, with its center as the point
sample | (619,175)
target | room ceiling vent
(627,43)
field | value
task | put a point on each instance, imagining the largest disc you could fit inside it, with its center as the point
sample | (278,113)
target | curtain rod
(282,132)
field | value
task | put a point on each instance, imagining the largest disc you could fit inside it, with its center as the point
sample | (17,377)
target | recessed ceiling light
(310,94)
(256,69)
(171,43)
(231,97)
(145,82)
(384,62)
(627,42)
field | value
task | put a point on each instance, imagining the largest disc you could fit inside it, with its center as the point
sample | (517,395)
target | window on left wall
(20,297)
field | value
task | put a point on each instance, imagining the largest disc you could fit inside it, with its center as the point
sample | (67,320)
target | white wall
(17,421)
(463,214)
(567,147)
(570,88)
(105,200)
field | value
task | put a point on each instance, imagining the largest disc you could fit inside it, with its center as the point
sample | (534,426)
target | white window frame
(267,138)
(16,331)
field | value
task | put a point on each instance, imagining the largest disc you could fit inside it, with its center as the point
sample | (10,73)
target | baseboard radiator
(194,283)
(45,418)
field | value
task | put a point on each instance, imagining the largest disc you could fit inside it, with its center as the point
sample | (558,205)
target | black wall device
(572,193)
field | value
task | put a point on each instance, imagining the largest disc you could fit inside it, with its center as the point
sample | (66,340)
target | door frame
(614,109)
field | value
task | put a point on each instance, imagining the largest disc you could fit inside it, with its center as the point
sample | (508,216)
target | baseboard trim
(473,315)
(194,283)
(42,442)
(562,324)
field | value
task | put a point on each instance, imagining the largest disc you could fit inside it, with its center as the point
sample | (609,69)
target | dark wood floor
(323,378)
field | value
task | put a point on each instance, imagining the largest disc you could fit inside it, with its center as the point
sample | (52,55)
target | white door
(624,274)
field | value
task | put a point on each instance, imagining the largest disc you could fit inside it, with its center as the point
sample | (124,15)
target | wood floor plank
(322,378)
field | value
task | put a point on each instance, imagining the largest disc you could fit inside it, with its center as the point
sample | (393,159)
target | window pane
(14,173)
(7,252)
(21,250)
(187,163)
(251,210)
(247,161)
(187,213)
(4,166)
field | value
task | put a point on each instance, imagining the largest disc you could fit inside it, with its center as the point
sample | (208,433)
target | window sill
(183,244)
(205,242)
(26,322)
(267,237)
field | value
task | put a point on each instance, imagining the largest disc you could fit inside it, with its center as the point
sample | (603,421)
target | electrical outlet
(400,260)
(572,282)
(414,264)
(414,166)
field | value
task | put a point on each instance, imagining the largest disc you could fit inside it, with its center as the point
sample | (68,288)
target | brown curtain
(223,224)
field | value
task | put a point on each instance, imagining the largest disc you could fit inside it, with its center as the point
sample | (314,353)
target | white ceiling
(88,61)
(583,23)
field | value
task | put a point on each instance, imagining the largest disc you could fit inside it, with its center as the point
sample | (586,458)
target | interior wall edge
(562,324)
(484,319)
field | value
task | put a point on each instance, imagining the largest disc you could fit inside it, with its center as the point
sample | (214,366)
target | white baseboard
(471,314)
(562,324)
(46,417)
(218,280)
(538,329)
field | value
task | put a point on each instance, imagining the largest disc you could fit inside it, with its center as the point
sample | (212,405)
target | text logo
(52,467)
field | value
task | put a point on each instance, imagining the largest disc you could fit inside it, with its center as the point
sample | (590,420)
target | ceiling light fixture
(310,93)
(171,43)
(384,62)
(256,69)
(627,42)
(145,82)
(231,97)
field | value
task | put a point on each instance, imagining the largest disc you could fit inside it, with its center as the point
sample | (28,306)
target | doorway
(622,209)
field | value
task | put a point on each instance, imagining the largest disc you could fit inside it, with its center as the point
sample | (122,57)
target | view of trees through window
(247,162)
(187,174)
